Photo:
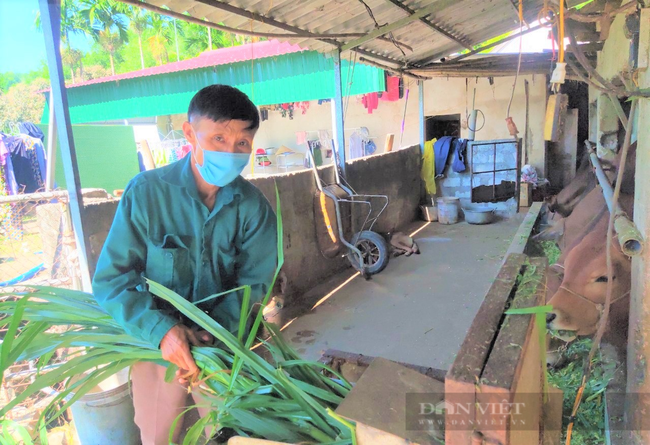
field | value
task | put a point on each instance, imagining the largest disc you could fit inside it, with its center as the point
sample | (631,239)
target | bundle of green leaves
(284,399)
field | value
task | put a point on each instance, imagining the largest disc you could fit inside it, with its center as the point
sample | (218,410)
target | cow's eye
(603,279)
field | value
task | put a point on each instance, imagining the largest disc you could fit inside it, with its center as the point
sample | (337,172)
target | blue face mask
(221,168)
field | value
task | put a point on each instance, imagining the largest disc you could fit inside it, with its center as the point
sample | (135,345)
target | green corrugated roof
(296,77)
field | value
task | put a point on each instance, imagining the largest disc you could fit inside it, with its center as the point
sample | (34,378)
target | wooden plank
(465,372)
(388,146)
(552,417)
(473,353)
(513,371)
(520,240)
(504,362)
(555,114)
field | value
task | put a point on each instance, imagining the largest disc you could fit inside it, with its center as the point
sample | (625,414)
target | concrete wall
(450,96)
(459,185)
(395,174)
(442,96)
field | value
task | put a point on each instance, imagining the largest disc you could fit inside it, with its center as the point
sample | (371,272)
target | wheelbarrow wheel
(374,251)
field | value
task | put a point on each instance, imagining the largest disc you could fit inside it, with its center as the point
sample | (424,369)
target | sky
(22,45)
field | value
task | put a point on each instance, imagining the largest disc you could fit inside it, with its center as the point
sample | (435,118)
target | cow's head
(577,304)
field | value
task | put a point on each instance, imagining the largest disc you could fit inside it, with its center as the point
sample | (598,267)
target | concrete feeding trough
(385,405)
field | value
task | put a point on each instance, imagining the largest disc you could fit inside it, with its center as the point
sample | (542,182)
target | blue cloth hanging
(458,164)
(441,149)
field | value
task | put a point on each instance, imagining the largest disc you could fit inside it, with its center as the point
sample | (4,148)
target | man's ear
(188,131)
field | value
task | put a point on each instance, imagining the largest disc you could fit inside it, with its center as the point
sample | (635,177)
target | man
(199,228)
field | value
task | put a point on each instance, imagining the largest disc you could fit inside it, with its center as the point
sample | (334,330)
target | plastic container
(429,213)
(448,209)
(105,416)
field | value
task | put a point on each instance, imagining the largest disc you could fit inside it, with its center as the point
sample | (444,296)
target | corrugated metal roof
(468,22)
(222,56)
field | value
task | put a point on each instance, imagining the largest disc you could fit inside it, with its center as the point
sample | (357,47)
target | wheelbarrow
(344,222)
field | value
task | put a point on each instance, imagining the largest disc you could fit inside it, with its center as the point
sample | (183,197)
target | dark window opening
(445,125)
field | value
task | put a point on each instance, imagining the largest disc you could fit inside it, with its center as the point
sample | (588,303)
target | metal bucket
(429,213)
(105,416)
(448,209)
(479,216)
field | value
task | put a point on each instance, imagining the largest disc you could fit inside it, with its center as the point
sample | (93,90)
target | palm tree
(71,57)
(111,43)
(199,38)
(140,21)
(108,20)
(72,22)
(161,35)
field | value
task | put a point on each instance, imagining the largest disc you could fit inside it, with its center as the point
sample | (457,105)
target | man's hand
(175,348)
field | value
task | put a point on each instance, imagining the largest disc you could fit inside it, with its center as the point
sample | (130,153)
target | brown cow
(571,229)
(583,184)
(578,298)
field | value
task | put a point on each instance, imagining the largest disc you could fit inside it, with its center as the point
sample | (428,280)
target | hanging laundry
(428,171)
(315,147)
(325,138)
(370,101)
(369,148)
(22,164)
(8,174)
(441,149)
(31,130)
(301,137)
(392,89)
(358,140)
(458,164)
(185,150)
(37,156)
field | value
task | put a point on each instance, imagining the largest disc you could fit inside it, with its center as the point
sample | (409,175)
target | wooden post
(388,146)
(638,354)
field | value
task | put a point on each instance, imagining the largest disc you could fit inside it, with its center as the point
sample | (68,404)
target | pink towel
(301,137)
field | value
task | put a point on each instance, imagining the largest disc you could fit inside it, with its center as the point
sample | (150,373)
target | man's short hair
(223,103)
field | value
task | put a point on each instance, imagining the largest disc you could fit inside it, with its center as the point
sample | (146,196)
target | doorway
(443,125)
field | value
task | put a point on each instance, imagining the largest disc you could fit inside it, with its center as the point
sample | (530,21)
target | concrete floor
(417,310)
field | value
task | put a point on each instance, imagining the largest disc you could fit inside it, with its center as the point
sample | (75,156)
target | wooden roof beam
(462,42)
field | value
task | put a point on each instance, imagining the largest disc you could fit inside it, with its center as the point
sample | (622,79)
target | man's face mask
(220,168)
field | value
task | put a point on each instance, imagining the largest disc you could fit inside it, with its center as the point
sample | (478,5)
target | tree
(160,37)
(111,42)
(140,22)
(7,80)
(72,57)
(22,102)
(72,22)
(200,38)
(108,20)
